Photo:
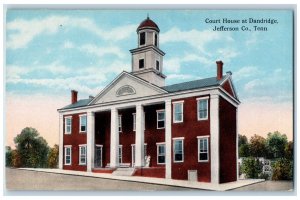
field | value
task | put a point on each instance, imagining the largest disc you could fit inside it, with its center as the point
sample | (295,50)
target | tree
(251,167)
(16,158)
(53,157)
(257,146)
(32,149)
(283,169)
(8,157)
(289,150)
(244,150)
(276,143)
(243,140)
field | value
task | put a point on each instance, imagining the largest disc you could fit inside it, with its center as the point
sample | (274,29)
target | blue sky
(50,52)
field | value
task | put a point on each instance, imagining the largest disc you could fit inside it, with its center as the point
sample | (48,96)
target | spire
(148,16)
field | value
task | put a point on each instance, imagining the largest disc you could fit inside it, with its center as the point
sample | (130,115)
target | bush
(8,158)
(251,167)
(282,169)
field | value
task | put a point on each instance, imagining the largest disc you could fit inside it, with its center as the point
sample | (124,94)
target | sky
(50,52)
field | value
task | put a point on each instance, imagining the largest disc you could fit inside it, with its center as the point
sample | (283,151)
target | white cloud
(195,38)
(100,51)
(245,72)
(226,54)
(68,45)
(23,31)
(251,85)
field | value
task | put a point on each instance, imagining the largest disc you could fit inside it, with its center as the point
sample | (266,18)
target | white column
(237,146)
(114,138)
(61,141)
(214,133)
(168,138)
(90,141)
(139,136)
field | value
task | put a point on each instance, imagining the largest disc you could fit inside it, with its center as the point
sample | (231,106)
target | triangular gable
(228,86)
(126,86)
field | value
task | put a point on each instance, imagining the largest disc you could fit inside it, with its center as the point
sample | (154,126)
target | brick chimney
(219,70)
(73,96)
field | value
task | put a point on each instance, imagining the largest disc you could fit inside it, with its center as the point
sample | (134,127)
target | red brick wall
(227,87)
(227,142)
(157,172)
(74,139)
(190,129)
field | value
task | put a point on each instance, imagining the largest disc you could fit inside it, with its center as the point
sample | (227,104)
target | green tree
(289,150)
(243,140)
(53,157)
(244,150)
(32,149)
(282,169)
(16,158)
(275,144)
(257,146)
(8,156)
(251,167)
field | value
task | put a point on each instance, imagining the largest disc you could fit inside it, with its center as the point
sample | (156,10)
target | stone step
(124,172)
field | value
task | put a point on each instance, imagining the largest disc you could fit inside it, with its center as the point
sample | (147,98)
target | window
(134,121)
(82,123)
(68,155)
(120,153)
(120,123)
(203,148)
(82,154)
(160,119)
(161,153)
(202,107)
(155,39)
(68,125)
(141,63)
(178,150)
(157,65)
(142,38)
(178,112)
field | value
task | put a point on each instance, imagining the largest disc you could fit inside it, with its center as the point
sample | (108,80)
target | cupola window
(155,39)
(142,38)
(157,65)
(141,63)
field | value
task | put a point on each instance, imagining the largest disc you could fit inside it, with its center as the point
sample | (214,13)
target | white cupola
(147,58)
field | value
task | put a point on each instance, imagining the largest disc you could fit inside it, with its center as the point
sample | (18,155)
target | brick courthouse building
(138,126)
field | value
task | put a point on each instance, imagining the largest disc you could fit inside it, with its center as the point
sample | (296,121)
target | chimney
(219,70)
(73,96)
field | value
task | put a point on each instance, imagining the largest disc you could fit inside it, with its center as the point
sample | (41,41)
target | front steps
(124,172)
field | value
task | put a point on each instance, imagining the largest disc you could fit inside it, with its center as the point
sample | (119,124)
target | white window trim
(80,146)
(198,142)
(174,140)
(141,45)
(120,153)
(134,121)
(160,111)
(120,123)
(157,152)
(65,147)
(198,113)
(80,123)
(66,132)
(178,102)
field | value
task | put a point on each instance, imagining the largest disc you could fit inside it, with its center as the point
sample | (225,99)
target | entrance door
(98,156)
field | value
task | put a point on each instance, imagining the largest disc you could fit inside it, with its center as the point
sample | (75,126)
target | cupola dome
(148,24)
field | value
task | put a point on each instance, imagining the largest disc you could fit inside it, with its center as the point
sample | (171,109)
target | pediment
(126,86)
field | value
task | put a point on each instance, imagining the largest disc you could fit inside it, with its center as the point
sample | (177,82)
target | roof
(197,84)
(148,23)
(80,103)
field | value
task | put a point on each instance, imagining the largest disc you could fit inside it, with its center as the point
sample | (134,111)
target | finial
(147,15)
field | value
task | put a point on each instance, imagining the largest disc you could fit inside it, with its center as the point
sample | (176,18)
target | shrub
(282,169)
(251,167)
